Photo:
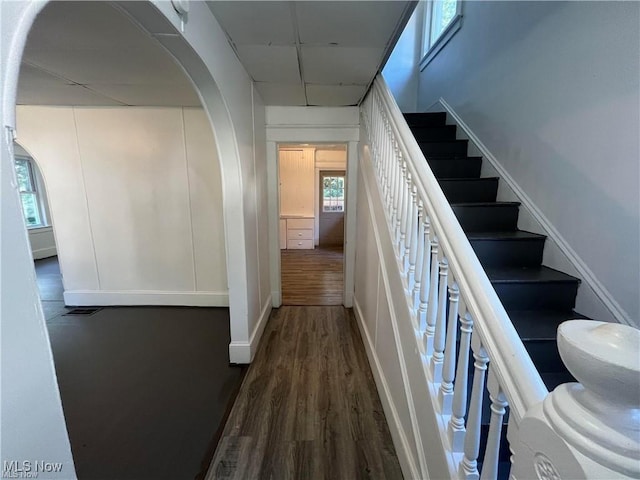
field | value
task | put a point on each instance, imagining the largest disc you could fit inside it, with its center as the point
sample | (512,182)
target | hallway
(308,407)
(312,277)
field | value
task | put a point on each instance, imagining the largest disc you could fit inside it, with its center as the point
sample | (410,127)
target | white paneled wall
(135,194)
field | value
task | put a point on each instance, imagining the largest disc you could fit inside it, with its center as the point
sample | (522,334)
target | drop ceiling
(312,52)
(298,53)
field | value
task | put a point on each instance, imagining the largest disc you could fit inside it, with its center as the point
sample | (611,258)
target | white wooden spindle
(492,450)
(432,303)
(409,225)
(415,296)
(459,407)
(441,324)
(449,365)
(393,209)
(425,278)
(468,469)
(413,247)
(401,195)
(392,179)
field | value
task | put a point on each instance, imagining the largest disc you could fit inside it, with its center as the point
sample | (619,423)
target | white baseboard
(44,253)
(407,462)
(243,352)
(583,271)
(122,298)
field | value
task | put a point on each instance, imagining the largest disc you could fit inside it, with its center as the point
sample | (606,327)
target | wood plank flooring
(312,277)
(308,408)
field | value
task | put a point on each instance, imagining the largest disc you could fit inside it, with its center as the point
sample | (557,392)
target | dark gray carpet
(144,389)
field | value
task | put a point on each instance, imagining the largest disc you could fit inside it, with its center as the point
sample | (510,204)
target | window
(442,21)
(29,193)
(333,193)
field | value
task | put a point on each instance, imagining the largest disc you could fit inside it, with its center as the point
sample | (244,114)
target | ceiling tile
(335,95)
(335,65)
(36,87)
(255,23)
(150,95)
(97,25)
(270,63)
(281,94)
(351,24)
(134,65)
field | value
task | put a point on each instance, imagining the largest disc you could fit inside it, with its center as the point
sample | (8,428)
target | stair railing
(449,294)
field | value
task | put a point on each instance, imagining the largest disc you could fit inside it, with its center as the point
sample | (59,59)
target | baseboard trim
(151,297)
(44,253)
(407,462)
(601,292)
(243,352)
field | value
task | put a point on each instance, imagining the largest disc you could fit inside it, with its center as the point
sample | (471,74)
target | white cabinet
(298,233)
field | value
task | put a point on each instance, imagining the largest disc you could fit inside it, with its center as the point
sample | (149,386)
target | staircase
(537,298)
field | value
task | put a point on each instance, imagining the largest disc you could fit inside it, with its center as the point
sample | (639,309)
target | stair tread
(528,275)
(505,235)
(468,179)
(540,324)
(486,204)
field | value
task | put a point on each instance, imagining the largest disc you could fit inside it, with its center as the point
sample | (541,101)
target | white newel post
(589,429)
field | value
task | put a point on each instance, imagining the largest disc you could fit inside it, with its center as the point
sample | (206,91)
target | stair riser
(425,134)
(492,218)
(504,253)
(455,148)
(545,355)
(537,296)
(426,119)
(456,167)
(467,191)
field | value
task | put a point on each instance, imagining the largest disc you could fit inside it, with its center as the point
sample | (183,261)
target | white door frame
(313,125)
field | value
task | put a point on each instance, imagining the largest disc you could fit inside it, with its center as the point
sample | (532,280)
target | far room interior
(312,207)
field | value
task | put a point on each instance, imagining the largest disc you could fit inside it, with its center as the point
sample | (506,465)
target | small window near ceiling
(442,20)
(31,206)
(333,194)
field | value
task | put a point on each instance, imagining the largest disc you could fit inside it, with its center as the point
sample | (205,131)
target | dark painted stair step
(512,248)
(535,288)
(467,167)
(444,148)
(428,119)
(442,132)
(487,217)
(466,190)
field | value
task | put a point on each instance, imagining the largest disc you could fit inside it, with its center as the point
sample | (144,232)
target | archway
(23,332)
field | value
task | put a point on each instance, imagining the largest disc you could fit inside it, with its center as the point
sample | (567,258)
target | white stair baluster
(408,228)
(459,407)
(425,279)
(432,303)
(449,365)
(415,295)
(441,324)
(491,453)
(401,195)
(468,469)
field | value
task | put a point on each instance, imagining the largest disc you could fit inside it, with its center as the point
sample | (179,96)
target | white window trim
(446,35)
(37,185)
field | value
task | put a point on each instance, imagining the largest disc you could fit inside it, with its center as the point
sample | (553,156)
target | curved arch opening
(82,141)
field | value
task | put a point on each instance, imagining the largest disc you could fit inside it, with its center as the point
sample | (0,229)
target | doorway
(311,217)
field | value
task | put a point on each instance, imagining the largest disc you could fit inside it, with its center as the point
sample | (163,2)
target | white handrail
(511,362)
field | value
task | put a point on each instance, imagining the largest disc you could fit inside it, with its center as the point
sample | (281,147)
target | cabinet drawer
(296,223)
(300,234)
(299,244)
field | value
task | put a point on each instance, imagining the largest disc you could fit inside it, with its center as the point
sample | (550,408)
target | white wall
(136,195)
(400,71)
(551,89)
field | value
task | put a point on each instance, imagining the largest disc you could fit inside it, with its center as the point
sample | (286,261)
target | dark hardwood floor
(312,277)
(308,407)
(145,390)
